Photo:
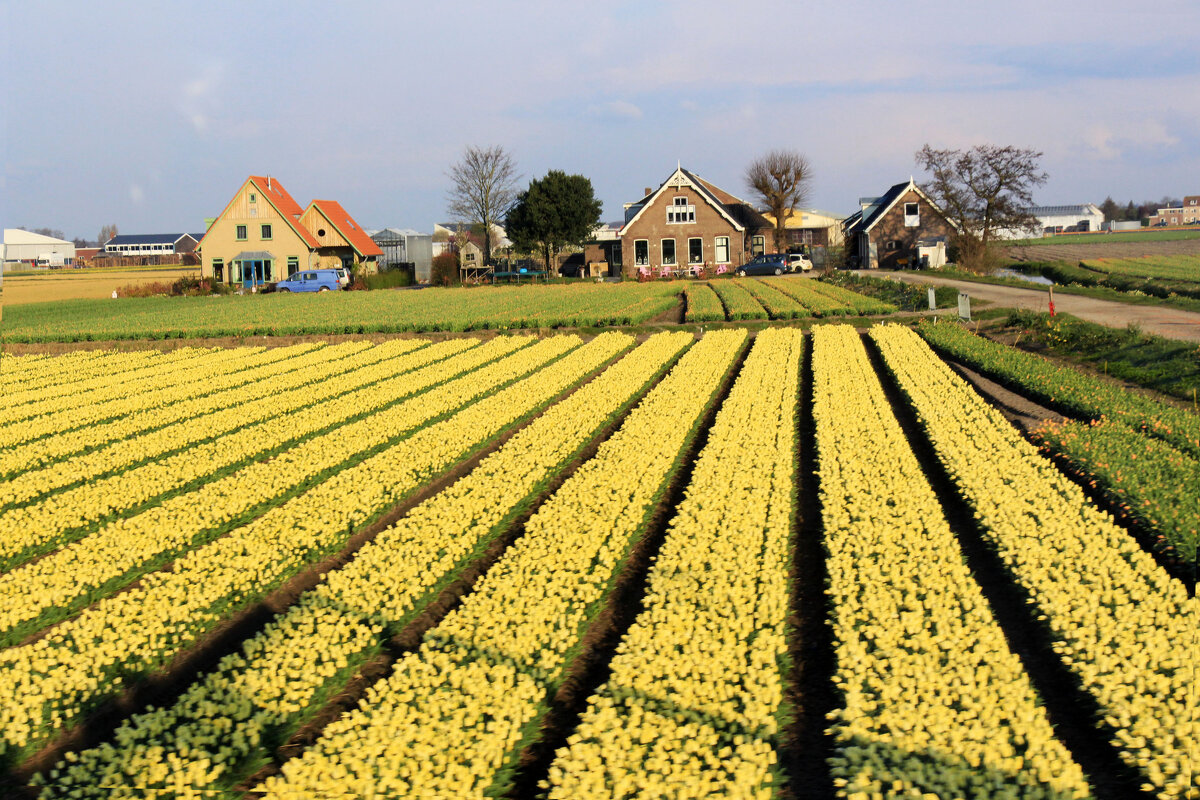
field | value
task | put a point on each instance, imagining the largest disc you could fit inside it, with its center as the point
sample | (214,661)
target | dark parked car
(766,264)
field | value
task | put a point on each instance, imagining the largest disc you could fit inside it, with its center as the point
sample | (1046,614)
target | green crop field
(488,308)
(1176,268)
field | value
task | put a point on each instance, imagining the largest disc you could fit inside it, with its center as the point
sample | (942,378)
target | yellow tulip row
(25,372)
(61,431)
(1126,629)
(283,672)
(79,662)
(66,402)
(695,688)
(452,712)
(181,415)
(50,587)
(45,524)
(48,373)
(922,665)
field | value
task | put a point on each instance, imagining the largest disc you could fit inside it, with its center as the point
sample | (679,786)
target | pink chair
(664,272)
(644,271)
(722,269)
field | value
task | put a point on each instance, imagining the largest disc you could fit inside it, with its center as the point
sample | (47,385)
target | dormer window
(680,211)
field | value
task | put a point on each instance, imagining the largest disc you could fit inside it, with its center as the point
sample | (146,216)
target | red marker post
(1052,301)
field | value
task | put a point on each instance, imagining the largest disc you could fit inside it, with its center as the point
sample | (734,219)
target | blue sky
(150,115)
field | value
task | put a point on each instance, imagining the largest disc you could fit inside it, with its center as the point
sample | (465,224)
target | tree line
(1115,212)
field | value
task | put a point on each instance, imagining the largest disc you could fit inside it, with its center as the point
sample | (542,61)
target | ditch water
(1012,273)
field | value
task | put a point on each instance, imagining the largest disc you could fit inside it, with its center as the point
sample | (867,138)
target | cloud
(198,97)
(136,193)
(618,109)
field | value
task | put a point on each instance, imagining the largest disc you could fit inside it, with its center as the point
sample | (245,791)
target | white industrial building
(35,250)
(1082,218)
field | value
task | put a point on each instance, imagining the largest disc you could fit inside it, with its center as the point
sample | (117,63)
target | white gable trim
(912,186)
(680,180)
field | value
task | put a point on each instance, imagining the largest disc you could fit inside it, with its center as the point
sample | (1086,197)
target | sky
(151,115)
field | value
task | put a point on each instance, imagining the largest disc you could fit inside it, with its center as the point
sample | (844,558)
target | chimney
(268,183)
(646,191)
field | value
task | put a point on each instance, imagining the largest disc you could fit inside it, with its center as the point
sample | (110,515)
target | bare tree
(107,232)
(983,190)
(781,181)
(484,189)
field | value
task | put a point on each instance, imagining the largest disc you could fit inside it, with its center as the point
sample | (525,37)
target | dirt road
(1172,323)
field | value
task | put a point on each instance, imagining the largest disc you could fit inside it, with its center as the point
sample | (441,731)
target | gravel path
(1172,323)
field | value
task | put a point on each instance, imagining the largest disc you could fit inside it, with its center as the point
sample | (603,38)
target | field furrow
(34,529)
(694,702)
(220,727)
(186,416)
(1127,630)
(453,716)
(78,663)
(933,700)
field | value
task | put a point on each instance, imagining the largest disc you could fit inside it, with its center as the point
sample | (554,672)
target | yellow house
(262,236)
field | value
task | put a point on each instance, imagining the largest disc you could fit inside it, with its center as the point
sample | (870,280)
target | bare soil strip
(592,667)
(811,693)
(1073,711)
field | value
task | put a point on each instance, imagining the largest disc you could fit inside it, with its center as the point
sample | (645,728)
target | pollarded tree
(780,179)
(484,189)
(556,211)
(983,190)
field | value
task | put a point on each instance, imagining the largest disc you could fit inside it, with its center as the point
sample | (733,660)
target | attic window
(253,197)
(680,211)
(912,215)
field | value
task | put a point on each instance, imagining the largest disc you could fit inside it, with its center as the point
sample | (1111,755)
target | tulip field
(562,566)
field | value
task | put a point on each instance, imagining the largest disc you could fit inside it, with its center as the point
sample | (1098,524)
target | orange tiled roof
(351,230)
(286,206)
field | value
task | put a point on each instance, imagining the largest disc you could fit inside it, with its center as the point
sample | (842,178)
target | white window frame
(662,249)
(758,245)
(699,259)
(913,219)
(645,260)
(719,243)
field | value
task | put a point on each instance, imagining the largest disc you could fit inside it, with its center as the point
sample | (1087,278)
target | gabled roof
(715,197)
(1062,211)
(19,236)
(868,217)
(149,238)
(280,200)
(340,219)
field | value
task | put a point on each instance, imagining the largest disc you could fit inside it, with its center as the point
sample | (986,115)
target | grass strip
(739,303)
(1062,388)
(778,304)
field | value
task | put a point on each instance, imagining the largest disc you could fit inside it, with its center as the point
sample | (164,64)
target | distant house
(466,239)
(22,247)
(686,221)
(264,235)
(152,244)
(809,227)
(895,229)
(1186,214)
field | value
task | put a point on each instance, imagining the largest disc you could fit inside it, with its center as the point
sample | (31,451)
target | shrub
(444,271)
